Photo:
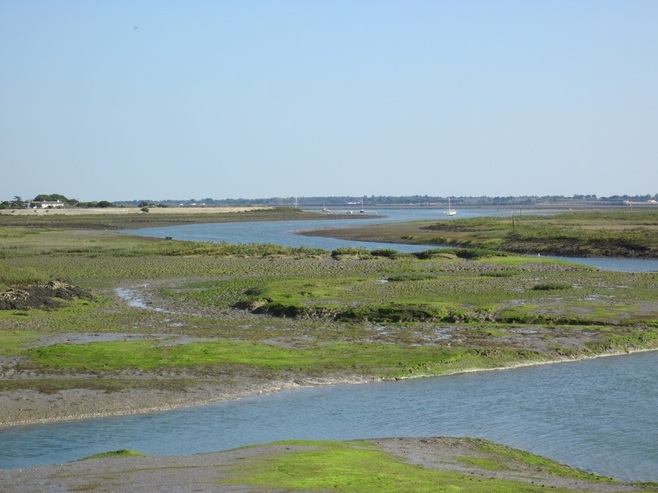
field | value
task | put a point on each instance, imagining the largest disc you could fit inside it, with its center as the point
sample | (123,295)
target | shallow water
(598,415)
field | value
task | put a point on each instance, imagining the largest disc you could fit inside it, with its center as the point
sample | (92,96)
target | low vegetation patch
(45,295)
(365,358)
(116,453)
(551,286)
(361,467)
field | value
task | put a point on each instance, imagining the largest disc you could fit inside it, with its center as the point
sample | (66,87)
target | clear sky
(129,99)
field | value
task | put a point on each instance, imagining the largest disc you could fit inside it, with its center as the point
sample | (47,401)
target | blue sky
(121,100)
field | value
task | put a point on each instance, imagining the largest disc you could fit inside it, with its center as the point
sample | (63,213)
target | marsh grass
(365,358)
(14,342)
(359,467)
(116,453)
(440,290)
(331,302)
(578,234)
(500,273)
(15,276)
(504,457)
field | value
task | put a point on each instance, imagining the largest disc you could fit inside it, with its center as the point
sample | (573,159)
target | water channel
(598,415)
(285,233)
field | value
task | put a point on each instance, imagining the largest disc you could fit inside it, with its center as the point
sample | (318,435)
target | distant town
(52,201)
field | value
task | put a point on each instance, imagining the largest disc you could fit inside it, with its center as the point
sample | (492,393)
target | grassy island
(598,233)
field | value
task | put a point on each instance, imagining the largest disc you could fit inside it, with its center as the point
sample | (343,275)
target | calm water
(598,415)
(284,232)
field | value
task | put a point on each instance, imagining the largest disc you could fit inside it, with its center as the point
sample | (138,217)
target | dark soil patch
(41,296)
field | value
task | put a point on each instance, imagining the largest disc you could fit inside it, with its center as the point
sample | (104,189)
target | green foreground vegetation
(215,312)
(359,467)
(437,464)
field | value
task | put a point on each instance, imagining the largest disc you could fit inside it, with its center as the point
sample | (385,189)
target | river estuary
(598,415)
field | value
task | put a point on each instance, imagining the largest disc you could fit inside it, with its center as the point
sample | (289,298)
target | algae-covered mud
(381,465)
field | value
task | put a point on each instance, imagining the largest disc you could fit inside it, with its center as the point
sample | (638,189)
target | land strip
(122,218)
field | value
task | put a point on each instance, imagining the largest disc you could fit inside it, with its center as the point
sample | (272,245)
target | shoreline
(57,407)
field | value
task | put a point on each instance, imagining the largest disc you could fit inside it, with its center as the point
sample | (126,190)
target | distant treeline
(52,200)
(346,201)
(389,200)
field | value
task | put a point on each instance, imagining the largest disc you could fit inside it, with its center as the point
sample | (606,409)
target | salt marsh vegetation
(216,312)
(611,233)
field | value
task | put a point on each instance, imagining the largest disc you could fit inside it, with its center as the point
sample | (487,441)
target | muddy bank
(41,296)
(26,406)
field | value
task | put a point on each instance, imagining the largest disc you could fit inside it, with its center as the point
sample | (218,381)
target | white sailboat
(450,211)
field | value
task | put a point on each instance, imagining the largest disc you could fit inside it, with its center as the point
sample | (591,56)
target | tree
(53,197)
(18,203)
